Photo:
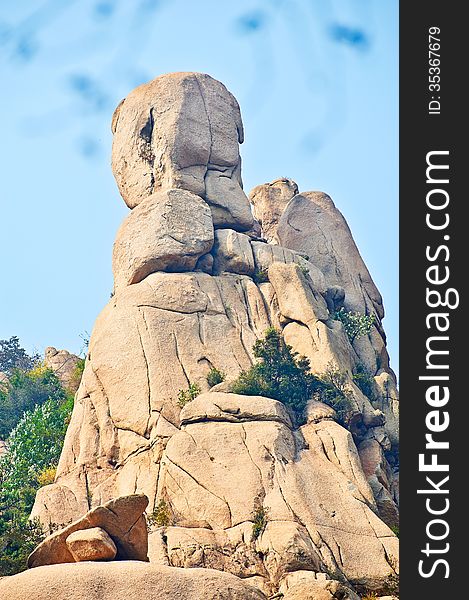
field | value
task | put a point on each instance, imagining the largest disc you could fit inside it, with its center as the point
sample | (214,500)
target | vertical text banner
(434,263)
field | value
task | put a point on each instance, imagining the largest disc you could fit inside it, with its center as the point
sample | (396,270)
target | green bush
(17,543)
(355,324)
(279,373)
(160,517)
(260,519)
(333,390)
(261,276)
(33,450)
(13,356)
(23,392)
(215,377)
(364,381)
(185,396)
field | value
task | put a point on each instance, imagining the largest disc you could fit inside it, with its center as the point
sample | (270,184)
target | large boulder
(125,580)
(269,201)
(91,544)
(168,231)
(122,519)
(182,130)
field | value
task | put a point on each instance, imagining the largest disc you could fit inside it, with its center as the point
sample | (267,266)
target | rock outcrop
(235,483)
(121,520)
(64,364)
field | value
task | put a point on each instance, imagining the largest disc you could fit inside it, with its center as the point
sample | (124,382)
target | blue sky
(317,82)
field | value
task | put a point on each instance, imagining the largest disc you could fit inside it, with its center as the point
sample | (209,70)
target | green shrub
(333,390)
(364,381)
(279,374)
(185,396)
(23,392)
(355,324)
(33,451)
(215,377)
(13,356)
(160,517)
(17,543)
(259,519)
(261,275)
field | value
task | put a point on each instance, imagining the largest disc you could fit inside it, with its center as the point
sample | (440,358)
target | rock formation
(64,364)
(196,284)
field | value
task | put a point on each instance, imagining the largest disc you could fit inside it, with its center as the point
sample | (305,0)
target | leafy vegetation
(13,356)
(34,414)
(185,396)
(355,324)
(364,381)
(261,276)
(333,390)
(160,517)
(23,391)
(260,519)
(280,373)
(215,377)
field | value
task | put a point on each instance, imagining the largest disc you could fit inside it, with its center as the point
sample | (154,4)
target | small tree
(23,392)
(355,324)
(33,451)
(185,396)
(215,377)
(333,390)
(13,356)
(280,373)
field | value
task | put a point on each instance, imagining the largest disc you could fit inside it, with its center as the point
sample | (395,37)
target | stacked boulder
(198,279)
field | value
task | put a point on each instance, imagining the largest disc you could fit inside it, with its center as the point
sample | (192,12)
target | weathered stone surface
(318,411)
(121,518)
(208,488)
(297,300)
(235,408)
(306,586)
(168,231)
(153,339)
(266,254)
(91,544)
(125,580)
(379,476)
(232,253)
(182,130)
(269,201)
(63,363)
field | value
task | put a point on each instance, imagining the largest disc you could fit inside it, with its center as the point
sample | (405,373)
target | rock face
(127,580)
(182,130)
(235,483)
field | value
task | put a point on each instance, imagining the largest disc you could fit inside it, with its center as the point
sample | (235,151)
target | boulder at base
(125,580)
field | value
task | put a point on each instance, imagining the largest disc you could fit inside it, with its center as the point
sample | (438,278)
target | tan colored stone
(312,224)
(91,544)
(234,408)
(182,130)
(318,411)
(269,201)
(297,300)
(232,253)
(121,518)
(125,580)
(168,231)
